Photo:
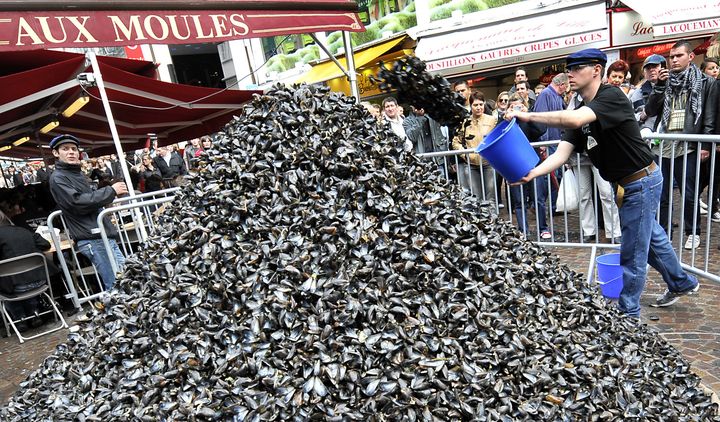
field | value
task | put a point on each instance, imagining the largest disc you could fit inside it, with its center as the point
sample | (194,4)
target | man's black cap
(63,139)
(587,56)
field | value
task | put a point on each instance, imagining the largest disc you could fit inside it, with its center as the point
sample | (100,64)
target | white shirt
(396,125)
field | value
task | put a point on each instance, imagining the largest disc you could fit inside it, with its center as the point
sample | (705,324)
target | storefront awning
(673,17)
(28,25)
(329,70)
(546,33)
(141,105)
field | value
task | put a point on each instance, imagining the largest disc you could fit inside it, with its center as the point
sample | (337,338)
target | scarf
(690,81)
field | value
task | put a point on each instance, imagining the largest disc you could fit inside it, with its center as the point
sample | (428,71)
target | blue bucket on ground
(609,275)
(508,151)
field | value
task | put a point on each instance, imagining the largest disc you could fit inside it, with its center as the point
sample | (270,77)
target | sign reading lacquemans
(631,27)
(32,30)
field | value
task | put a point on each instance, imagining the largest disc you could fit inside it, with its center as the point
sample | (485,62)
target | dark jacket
(176,167)
(42,175)
(17,241)
(533,131)
(79,202)
(706,124)
(17,178)
(153,179)
(425,134)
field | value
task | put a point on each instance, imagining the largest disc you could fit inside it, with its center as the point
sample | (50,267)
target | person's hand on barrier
(120,188)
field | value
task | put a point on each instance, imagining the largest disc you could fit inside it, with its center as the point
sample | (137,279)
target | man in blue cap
(639,97)
(81,204)
(604,126)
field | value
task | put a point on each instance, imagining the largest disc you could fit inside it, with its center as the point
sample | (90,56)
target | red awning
(140,105)
(35,25)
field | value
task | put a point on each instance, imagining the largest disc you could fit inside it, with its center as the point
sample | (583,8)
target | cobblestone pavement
(692,325)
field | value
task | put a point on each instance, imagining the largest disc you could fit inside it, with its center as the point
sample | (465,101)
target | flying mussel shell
(412,84)
(315,270)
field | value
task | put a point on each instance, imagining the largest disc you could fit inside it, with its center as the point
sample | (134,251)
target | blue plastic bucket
(609,275)
(507,150)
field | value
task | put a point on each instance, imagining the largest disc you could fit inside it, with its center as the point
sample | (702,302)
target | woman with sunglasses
(501,105)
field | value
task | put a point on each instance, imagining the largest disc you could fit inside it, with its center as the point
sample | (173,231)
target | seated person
(17,241)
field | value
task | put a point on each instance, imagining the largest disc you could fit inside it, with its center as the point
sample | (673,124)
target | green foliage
(436,3)
(440,13)
(498,3)
(470,6)
(309,53)
(372,33)
(406,20)
(410,8)
(334,37)
(282,62)
(445,10)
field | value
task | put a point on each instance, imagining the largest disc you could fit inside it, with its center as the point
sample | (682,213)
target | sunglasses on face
(576,68)
(503,100)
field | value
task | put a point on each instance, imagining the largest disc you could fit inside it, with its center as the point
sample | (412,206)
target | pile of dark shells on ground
(316,270)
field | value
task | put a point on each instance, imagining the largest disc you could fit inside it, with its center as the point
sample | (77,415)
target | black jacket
(152,178)
(18,179)
(16,241)
(79,202)
(415,130)
(176,167)
(704,126)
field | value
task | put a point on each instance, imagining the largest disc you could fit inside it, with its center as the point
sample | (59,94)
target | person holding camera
(685,102)
(149,174)
(81,204)
(604,125)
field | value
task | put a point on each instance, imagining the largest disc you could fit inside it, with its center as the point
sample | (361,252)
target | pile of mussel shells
(315,270)
(409,80)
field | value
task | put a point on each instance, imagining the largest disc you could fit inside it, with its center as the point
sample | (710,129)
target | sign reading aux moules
(29,30)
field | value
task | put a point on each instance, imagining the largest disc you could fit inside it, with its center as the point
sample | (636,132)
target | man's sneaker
(668,298)
(703,211)
(716,217)
(546,235)
(693,241)
(703,205)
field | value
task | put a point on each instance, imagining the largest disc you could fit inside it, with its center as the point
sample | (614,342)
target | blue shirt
(550,100)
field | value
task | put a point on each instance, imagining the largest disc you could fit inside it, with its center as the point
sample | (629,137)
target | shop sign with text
(509,54)
(33,30)
(629,28)
(503,39)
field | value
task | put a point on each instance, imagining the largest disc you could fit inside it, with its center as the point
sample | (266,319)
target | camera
(517,107)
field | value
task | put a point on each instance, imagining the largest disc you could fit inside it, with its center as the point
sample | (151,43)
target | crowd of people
(673,96)
(81,187)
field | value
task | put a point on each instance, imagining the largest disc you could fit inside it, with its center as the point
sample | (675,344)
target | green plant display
(394,23)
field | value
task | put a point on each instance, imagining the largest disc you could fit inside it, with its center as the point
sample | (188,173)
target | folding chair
(19,265)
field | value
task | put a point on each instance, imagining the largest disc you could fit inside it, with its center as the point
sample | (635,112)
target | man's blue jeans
(690,201)
(538,189)
(645,242)
(94,250)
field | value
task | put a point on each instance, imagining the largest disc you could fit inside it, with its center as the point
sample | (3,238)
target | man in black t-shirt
(604,126)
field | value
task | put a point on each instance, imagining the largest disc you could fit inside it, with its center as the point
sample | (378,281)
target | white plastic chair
(19,265)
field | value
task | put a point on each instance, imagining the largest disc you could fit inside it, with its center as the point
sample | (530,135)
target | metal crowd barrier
(695,179)
(137,209)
